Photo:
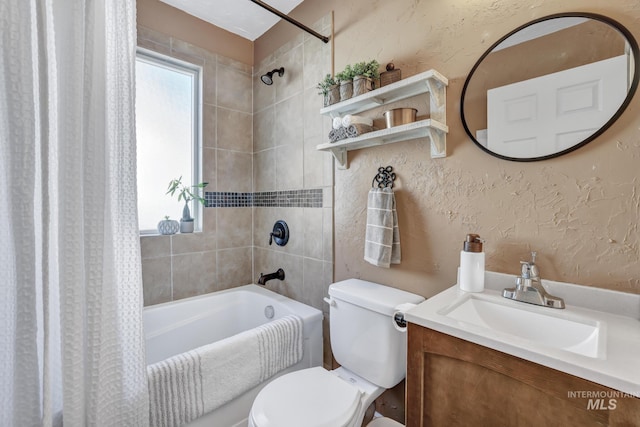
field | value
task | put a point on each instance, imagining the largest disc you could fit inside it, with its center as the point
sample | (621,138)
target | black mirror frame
(634,85)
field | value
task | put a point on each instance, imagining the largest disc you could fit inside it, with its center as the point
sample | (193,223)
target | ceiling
(241,17)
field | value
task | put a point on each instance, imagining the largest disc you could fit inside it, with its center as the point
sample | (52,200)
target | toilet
(371,350)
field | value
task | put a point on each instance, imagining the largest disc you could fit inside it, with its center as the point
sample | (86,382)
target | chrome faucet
(529,289)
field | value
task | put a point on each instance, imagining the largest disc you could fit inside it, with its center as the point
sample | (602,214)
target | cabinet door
(452,382)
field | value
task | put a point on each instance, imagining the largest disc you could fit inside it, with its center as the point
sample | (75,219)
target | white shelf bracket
(436,89)
(438,143)
(340,154)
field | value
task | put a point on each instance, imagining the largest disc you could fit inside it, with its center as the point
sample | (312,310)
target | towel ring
(384,178)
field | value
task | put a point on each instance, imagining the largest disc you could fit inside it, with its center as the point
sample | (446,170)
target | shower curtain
(71,343)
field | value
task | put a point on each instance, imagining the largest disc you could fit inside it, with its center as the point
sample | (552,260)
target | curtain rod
(325,39)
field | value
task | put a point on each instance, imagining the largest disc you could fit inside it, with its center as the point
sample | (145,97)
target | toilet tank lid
(373,296)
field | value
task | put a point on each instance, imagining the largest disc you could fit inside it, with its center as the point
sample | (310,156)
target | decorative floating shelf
(435,128)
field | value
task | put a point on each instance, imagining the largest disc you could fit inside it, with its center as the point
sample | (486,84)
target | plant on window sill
(186,193)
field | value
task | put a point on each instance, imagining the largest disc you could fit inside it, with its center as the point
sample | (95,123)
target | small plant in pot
(329,89)
(186,193)
(345,77)
(364,75)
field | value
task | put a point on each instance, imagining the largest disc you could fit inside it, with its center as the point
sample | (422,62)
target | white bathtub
(175,327)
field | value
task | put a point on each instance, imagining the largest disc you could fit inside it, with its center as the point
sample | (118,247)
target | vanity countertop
(617,364)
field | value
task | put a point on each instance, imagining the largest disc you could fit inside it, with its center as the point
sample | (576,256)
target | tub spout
(264,278)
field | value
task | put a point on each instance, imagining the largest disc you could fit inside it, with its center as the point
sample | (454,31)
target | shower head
(268,77)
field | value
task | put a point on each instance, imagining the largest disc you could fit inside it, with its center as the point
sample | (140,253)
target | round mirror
(550,86)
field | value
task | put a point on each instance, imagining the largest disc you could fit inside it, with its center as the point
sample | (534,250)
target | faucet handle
(529,268)
(526,269)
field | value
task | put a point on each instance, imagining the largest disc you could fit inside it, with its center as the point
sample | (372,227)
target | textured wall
(579,211)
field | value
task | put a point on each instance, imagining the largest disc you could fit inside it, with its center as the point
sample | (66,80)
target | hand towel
(382,237)
(358,129)
(351,119)
(188,385)
(337,122)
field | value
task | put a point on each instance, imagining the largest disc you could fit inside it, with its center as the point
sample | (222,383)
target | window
(168,112)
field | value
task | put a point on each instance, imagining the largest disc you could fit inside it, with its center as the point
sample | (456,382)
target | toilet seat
(311,397)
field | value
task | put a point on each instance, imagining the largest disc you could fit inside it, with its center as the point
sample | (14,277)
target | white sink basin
(596,337)
(552,328)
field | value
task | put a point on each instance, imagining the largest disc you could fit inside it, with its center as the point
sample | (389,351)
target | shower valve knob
(280,233)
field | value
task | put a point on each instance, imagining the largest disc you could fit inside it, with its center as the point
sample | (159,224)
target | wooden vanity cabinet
(452,382)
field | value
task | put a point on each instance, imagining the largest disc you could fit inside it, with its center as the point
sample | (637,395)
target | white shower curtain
(71,343)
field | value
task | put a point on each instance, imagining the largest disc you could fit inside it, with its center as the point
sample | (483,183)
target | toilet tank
(363,337)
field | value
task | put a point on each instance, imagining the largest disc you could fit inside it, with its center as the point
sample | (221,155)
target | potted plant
(329,88)
(345,77)
(364,75)
(186,193)
(168,226)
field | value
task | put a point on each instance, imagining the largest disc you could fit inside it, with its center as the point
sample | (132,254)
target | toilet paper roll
(398,316)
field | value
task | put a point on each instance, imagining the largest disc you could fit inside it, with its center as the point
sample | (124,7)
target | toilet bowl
(313,397)
(364,341)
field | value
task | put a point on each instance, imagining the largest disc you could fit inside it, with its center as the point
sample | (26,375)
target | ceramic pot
(186,226)
(168,226)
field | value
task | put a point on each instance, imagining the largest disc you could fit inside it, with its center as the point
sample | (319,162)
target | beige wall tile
(235,267)
(314,286)
(192,242)
(327,234)
(290,83)
(156,280)
(209,221)
(209,169)
(314,125)
(264,129)
(209,125)
(264,178)
(235,130)
(312,232)
(234,171)
(193,274)
(289,167)
(236,65)
(155,246)
(210,81)
(317,60)
(180,46)
(235,227)
(313,163)
(145,33)
(289,126)
(234,89)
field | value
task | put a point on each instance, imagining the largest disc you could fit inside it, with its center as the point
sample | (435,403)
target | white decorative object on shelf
(168,226)
(435,128)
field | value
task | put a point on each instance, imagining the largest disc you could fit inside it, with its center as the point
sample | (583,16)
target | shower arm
(325,39)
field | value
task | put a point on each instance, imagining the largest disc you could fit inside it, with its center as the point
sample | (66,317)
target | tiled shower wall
(287,127)
(219,257)
(260,161)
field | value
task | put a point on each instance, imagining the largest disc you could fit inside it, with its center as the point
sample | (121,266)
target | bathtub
(179,326)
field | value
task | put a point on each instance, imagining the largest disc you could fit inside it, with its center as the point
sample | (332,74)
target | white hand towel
(382,239)
(351,119)
(337,122)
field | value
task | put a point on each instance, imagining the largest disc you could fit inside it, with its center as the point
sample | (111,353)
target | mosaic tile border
(308,198)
